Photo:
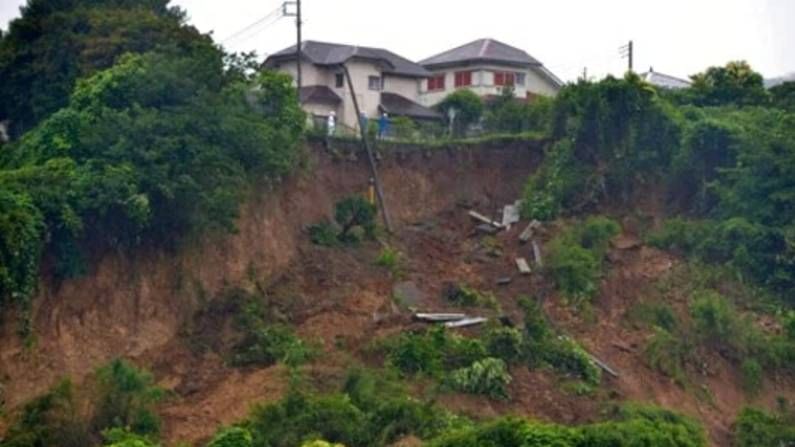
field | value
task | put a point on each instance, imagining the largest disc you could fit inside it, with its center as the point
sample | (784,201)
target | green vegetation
(463,295)
(355,220)
(758,428)
(508,114)
(391,259)
(232,437)
(468,109)
(263,343)
(488,376)
(576,256)
(630,426)
(118,405)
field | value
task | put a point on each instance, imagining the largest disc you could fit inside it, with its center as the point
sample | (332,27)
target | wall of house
(483,83)
(403,86)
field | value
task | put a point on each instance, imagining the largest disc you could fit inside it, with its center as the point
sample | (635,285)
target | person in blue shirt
(383,125)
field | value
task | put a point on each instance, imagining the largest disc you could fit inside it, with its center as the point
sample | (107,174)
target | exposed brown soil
(146,308)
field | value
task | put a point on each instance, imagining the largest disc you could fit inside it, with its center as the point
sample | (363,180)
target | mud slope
(134,305)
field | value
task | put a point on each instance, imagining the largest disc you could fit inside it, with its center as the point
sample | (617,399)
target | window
(504,78)
(463,78)
(375,83)
(436,82)
(339,80)
(520,78)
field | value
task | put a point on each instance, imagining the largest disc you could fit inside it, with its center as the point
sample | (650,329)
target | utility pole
(297,15)
(298,47)
(370,157)
(627,51)
(585,74)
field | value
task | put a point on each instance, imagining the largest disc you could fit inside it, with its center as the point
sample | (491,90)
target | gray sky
(678,37)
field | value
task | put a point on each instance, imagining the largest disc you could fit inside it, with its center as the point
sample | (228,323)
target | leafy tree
(758,428)
(354,212)
(54,43)
(783,96)
(735,83)
(468,107)
(127,396)
(232,437)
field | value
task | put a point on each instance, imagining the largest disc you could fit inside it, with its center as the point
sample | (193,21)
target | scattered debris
(504,281)
(524,268)
(466,322)
(483,219)
(510,214)
(625,242)
(527,234)
(537,255)
(440,317)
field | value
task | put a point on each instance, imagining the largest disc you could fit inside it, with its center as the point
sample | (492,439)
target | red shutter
(499,78)
(509,78)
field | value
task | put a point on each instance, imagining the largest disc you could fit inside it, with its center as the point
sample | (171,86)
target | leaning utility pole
(298,46)
(373,168)
(627,51)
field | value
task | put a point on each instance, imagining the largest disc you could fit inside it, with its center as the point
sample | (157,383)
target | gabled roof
(482,50)
(395,104)
(324,53)
(663,80)
(319,94)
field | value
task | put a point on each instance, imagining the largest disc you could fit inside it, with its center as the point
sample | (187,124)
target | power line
(271,17)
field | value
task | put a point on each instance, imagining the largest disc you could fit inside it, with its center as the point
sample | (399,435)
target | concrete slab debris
(524,268)
(537,255)
(466,322)
(603,365)
(527,234)
(510,215)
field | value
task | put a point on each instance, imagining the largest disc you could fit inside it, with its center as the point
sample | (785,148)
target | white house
(485,66)
(383,81)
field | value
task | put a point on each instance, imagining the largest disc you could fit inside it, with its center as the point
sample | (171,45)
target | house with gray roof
(486,66)
(383,81)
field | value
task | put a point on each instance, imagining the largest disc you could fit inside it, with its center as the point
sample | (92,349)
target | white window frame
(520,78)
(377,79)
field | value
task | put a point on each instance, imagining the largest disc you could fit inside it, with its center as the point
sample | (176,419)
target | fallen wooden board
(439,317)
(537,255)
(524,268)
(527,234)
(466,322)
(483,219)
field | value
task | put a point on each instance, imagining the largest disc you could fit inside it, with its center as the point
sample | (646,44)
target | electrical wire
(261,23)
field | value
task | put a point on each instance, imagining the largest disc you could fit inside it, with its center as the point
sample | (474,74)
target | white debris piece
(479,217)
(524,268)
(466,322)
(510,215)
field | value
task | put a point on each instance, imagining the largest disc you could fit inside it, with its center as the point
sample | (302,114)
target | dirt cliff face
(133,305)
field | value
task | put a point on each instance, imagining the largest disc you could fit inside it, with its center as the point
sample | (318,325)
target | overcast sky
(678,37)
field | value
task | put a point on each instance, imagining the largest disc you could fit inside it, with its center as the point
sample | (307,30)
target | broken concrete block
(510,215)
(524,268)
(527,234)
(537,255)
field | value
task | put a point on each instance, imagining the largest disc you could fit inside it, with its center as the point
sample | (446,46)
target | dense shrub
(354,218)
(464,295)
(433,352)
(488,376)
(51,419)
(126,399)
(669,352)
(468,107)
(506,343)
(508,114)
(263,343)
(758,428)
(575,256)
(232,437)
